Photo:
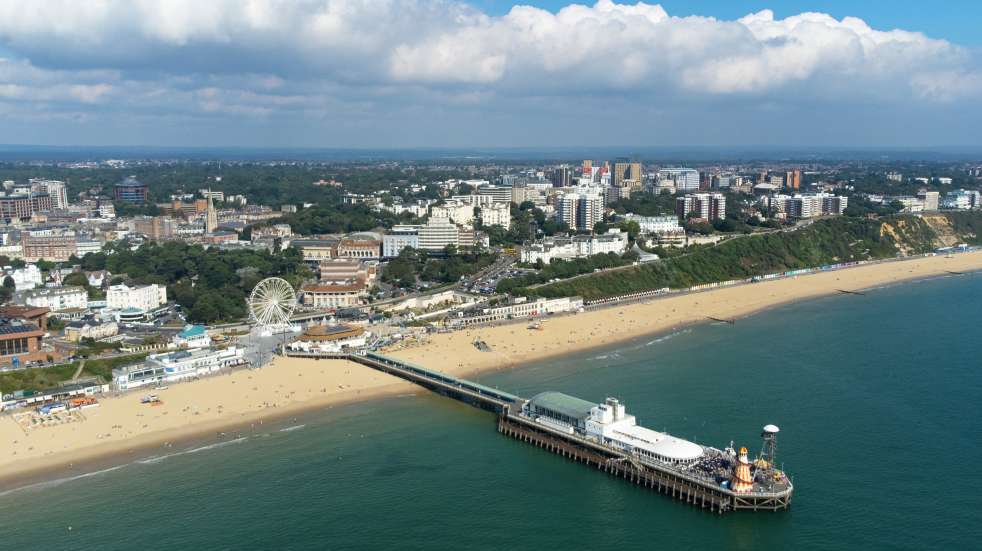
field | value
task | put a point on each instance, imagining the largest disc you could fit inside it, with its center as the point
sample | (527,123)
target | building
(90,328)
(55,244)
(931,199)
(156,228)
(579,246)
(58,299)
(211,216)
(498,214)
(333,295)
(327,339)
(22,206)
(626,174)
(20,342)
(25,278)
(437,234)
(178,366)
(56,189)
(130,191)
(145,298)
(457,211)
(398,238)
(213,195)
(610,424)
(707,206)
(806,205)
(192,336)
(30,314)
(581,210)
(523,309)
(87,246)
(365,246)
(895,177)
(315,250)
(272,232)
(656,225)
(962,200)
(682,180)
(341,270)
(792,180)
(500,194)
(562,176)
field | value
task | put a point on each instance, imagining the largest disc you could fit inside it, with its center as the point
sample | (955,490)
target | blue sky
(955,20)
(448,73)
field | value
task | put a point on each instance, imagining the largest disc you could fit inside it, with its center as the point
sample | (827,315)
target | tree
(76,278)
(7,289)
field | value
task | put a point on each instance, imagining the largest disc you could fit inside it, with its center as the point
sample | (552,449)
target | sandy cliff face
(946,235)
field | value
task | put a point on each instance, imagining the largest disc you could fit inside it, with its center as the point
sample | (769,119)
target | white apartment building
(459,212)
(931,199)
(480,201)
(579,246)
(657,225)
(540,307)
(808,205)
(679,179)
(437,233)
(178,366)
(498,214)
(581,209)
(58,298)
(26,278)
(962,200)
(144,298)
(500,194)
(398,238)
(708,206)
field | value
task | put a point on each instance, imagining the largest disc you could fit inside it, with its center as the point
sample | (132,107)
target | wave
(159,458)
(60,481)
(664,338)
(293,428)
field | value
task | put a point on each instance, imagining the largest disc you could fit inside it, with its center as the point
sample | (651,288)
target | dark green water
(876,396)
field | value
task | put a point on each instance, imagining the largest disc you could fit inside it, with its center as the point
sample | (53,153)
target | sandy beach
(122,427)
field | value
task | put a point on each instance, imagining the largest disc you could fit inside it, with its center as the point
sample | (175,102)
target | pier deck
(685,486)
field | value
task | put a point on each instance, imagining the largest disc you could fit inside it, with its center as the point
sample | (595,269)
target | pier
(692,486)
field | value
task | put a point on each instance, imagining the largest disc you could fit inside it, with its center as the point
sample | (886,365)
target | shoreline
(77,449)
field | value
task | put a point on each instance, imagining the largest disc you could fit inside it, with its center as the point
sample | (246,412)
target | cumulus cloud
(259,58)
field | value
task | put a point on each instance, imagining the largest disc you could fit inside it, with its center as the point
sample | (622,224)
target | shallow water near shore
(875,396)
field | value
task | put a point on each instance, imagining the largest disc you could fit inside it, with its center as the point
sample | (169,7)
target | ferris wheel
(271,303)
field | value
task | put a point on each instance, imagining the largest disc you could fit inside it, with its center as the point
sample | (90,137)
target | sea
(876,396)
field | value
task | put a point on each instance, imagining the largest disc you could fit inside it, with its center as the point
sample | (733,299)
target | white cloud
(256,58)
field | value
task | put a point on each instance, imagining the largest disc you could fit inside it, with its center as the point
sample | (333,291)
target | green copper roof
(570,406)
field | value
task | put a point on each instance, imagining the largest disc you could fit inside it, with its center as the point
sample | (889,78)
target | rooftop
(564,404)
(130,182)
(190,331)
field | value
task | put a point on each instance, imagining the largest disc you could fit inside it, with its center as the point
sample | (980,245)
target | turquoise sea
(877,397)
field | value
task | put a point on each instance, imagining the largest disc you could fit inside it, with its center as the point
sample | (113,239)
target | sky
(490,73)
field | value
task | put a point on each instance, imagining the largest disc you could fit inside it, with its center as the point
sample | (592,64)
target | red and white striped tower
(742,481)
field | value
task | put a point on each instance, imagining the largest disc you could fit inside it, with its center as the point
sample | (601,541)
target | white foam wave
(60,481)
(293,428)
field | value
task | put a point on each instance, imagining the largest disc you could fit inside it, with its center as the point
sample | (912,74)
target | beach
(122,427)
